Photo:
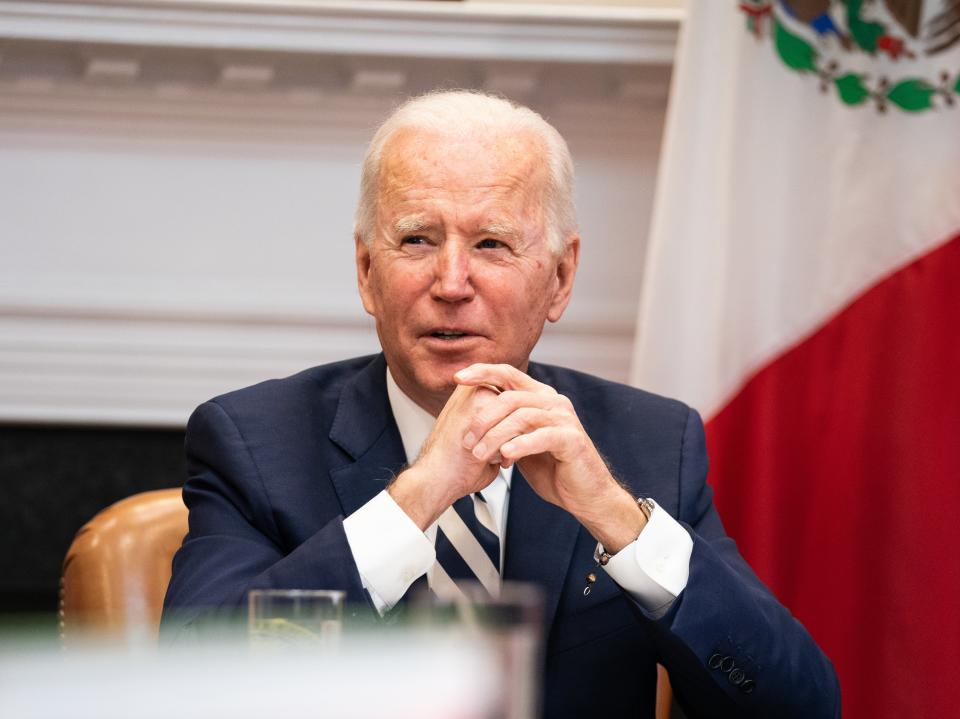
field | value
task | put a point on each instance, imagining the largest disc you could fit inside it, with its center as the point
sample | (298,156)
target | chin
(438,383)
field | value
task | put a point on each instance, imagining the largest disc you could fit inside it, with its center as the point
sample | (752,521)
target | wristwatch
(647,505)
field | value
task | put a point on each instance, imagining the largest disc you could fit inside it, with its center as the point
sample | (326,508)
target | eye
(489,244)
(413,240)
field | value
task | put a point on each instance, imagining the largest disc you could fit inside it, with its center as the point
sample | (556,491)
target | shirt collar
(414,422)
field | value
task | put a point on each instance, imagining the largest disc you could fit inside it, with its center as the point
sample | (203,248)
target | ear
(363,273)
(566,271)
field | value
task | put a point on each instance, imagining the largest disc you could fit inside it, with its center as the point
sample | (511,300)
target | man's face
(459,269)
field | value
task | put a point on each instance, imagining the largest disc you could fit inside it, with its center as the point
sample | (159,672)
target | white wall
(175,215)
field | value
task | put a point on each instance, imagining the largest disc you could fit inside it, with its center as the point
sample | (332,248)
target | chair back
(116,571)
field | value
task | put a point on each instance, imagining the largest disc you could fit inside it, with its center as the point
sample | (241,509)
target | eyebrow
(415,223)
(406,225)
(502,230)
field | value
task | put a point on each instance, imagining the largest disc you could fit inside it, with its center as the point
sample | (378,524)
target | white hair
(467,112)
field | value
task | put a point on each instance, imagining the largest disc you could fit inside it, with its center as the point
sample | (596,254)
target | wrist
(619,523)
(421,499)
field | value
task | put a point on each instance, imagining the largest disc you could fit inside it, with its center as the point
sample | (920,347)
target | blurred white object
(397,674)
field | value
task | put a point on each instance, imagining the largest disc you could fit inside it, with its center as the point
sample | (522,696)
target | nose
(452,281)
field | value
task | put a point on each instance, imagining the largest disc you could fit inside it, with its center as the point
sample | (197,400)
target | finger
(503,376)
(543,440)
(464,403)
(508,402)
(522,421)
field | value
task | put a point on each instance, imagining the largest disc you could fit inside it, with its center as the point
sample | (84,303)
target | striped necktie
(468,549)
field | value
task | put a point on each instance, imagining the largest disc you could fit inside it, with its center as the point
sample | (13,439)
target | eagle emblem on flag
(900,53)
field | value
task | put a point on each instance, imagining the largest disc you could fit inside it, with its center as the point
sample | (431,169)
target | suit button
(726,665)
(714,661)
(747,686)
(736,677)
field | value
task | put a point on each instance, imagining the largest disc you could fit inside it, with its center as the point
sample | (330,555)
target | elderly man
(451,455)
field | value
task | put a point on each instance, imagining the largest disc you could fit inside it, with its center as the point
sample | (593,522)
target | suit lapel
(364,428)
(540,542)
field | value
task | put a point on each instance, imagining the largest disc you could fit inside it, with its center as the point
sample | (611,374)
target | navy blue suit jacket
(275,468)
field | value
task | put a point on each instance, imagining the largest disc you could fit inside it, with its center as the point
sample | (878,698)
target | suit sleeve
(768,664)
(233,544)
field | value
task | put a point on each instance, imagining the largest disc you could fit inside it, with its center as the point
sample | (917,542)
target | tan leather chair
(117,569)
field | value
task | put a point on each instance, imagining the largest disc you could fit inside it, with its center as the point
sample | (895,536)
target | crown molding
(150,368)
(397,28)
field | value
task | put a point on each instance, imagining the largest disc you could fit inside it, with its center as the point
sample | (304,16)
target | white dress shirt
(391,552)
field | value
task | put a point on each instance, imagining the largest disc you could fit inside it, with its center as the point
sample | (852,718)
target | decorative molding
(174,56)
(105,68)
(150,357)
(42,106)
(394,28)
(293,304)
(106,369)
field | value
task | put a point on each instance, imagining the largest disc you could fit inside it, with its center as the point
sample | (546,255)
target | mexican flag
(802,291)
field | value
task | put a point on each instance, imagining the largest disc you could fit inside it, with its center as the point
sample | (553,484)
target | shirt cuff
(655,567)
(389,550)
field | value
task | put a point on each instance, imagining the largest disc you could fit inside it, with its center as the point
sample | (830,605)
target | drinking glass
(510,624)
(306,618)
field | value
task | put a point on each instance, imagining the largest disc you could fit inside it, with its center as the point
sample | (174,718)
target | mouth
(450,335)
(453,336)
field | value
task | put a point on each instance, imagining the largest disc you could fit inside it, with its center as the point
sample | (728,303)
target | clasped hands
(499,416)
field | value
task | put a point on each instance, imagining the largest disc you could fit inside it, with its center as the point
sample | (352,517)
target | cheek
(397,296)
(380,291)
(404,277)
(387,283)
(520,309)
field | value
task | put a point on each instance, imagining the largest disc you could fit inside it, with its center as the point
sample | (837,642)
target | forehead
(471,169)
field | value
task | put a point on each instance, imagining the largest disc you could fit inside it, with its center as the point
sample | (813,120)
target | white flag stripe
(743,262)
(470,550)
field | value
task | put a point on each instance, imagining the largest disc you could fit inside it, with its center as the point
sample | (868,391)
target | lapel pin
(591,578)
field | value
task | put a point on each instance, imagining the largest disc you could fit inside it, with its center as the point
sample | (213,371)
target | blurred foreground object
(802,291)
(117,569)
(398,674)
(115,576)
(511,623)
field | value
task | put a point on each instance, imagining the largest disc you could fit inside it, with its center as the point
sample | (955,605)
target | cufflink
(601,556)
(647,505)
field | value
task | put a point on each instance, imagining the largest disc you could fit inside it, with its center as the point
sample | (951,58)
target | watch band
(647,505)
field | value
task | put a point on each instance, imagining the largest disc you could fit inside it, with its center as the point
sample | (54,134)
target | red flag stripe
(837,469)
